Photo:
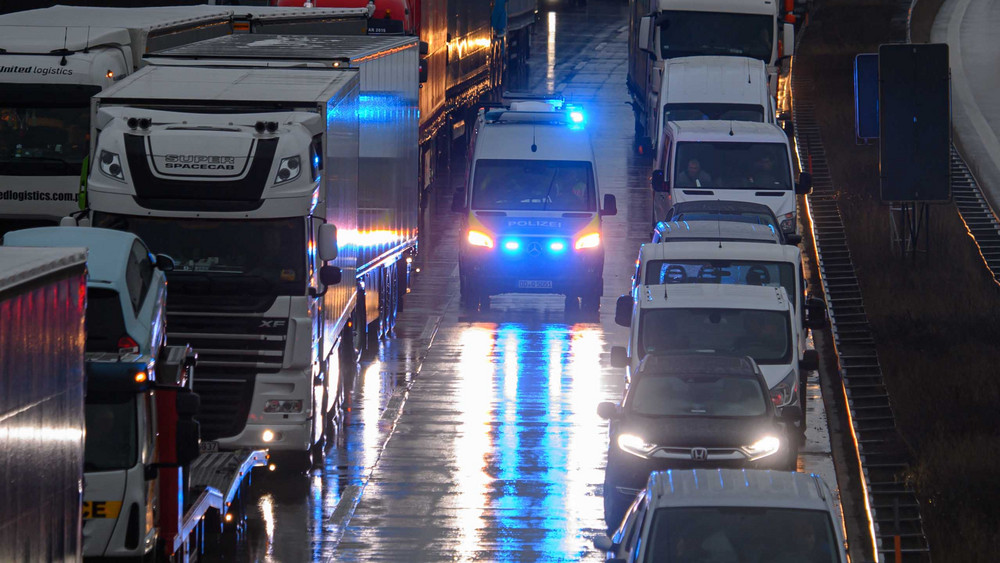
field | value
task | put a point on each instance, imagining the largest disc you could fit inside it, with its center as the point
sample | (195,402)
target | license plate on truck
(208,446)
(534,284)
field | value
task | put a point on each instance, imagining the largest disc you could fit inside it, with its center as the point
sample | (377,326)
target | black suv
(693,411)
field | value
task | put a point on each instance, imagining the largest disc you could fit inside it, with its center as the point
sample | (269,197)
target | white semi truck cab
(244,184)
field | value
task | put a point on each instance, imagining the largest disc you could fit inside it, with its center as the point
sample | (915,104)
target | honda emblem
(699,454)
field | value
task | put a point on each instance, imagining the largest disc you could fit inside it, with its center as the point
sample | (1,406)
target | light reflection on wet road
(495,451)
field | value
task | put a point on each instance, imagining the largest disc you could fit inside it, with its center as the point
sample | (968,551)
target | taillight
(126,345)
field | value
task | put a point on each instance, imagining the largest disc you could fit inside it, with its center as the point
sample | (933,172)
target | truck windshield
(533,185)
(739,272)
(685,34)
(763,335)
(215,258)
(678,395)
(111,441)
(714,112)
(731,533)
(723,165)
(44,131)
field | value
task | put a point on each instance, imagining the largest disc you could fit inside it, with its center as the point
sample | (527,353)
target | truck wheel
(572,304)
(590,301)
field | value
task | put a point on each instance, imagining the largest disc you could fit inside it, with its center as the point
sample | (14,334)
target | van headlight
(768,445)
(288,169)
(111,165)
(784,393)
(635,445)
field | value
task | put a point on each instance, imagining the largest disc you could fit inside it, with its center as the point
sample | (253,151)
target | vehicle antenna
(534,147)
(62,61)
(730,128)
(718,225)
(748,72)
(86,46)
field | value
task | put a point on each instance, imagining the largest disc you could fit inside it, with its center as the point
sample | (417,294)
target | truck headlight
(288,169)
(111,165)
(635,445)
(783,394)
(768,445)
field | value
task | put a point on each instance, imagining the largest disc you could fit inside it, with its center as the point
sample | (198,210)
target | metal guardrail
(976,213)
(892,509)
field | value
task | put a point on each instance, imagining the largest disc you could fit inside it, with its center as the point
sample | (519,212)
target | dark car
(693,411)
(727,210)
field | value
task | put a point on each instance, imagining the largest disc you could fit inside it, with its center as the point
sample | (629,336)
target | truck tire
(590,301)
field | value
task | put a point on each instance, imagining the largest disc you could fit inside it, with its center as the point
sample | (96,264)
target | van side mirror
(150,472)
(816,316)
(809,361)
(330,275)
(787,40)
(658,182)
(805,184)
(607,410)
(164,263)
(619,357)
(423,48)
(790,414)
(645,34)
(604,543)
(623,311)
(793,239)
(327,242)
(610,206)
(458,202)
(422,69)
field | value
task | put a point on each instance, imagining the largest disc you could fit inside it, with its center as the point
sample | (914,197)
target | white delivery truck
(711,88)
(52,60)
(532,208)
(731,160)
(660,30)
(388,192)
(243,176)
(42,304)
(744,320)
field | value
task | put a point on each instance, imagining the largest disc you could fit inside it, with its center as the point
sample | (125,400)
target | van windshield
(765,336)
(738,272)
(105,320)
(685,34)
(533,185)
(734,533)
(723,165)
(713,112)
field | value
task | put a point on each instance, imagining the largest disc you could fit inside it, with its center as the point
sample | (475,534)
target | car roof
(697,364)
(108,249)
(737,487)
(716,230)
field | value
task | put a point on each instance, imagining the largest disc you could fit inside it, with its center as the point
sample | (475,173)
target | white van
(532,207)
(732,160)
(730,515)
(745,320)
(718,88)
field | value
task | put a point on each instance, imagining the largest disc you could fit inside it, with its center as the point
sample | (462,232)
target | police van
(532,207)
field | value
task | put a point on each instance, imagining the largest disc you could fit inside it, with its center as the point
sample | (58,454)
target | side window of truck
(138,274)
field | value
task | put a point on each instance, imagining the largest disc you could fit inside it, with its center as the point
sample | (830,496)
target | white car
(126,286)
(729,516)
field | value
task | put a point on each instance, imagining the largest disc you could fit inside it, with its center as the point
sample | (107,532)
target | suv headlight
(784,393)
(635,445)
(788,223)
(111,165)
(288,169)
(768,445)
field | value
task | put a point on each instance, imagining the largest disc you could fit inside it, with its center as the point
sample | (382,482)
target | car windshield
(225,258)
(750,166)
(44,131)
(732,534)
(111,441)
(685,34)
(535,185)
(738,272)
(695,395)
(714,112)
(763,335)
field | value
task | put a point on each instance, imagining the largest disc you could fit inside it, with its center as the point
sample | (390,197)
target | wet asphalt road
(475,436)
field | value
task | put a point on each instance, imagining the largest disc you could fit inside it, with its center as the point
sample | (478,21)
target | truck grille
(232,350)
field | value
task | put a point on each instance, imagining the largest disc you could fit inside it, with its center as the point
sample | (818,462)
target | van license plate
(534,284)
(209,446)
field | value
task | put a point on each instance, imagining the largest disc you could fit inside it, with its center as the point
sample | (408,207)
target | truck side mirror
(805,184)
(458,202)
(787,40)
(816,316)
(610,206)
(623,311)
(646,35)
(607,410)
(422,69)
(164,263)
(327,242)
(809,361)
(330,275)
(619,357)
(658,183)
